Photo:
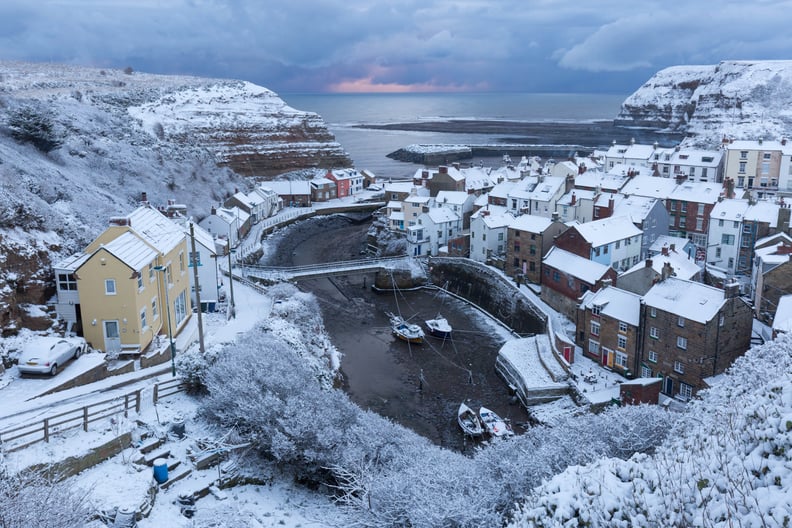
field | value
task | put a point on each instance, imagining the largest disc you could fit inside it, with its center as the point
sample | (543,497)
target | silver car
(47,355)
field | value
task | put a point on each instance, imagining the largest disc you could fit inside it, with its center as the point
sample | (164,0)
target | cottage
(488,233)
(613,241)
(529,238)
(566,277)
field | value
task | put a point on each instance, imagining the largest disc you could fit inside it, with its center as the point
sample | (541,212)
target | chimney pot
(649,263)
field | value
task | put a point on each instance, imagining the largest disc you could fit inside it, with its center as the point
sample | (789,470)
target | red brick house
(566,277)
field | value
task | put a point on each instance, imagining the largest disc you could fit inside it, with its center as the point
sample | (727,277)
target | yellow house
(127,277)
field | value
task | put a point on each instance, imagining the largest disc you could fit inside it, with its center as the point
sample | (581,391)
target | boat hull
(469,422)
(439,327)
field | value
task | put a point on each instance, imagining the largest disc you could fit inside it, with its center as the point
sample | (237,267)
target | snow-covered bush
(32,499)
(726,462)
(32,125)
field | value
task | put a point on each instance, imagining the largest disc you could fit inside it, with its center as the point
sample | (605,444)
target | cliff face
(80,145)
(739,99)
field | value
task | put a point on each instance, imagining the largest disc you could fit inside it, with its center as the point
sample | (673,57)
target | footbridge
(327,269)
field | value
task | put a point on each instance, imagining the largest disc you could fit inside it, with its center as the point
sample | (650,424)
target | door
(112,338)
(669,386)
(607,357)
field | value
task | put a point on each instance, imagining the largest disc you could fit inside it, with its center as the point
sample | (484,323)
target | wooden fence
(40,430)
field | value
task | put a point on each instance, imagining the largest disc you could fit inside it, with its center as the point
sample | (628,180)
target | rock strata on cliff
(738,99)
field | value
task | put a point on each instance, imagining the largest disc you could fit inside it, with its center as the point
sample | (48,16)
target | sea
(368,148)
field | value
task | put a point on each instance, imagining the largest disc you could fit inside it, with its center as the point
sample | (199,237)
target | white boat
(405,331)
(439,327)
(468,421)
(494,424)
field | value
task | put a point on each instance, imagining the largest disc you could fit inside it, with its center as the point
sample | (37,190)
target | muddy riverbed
(418,386)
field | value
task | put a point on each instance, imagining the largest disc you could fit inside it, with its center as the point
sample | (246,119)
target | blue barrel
(161,470)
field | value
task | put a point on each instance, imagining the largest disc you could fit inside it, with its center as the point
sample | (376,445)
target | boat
(468,421)
(439,327)
(405,331)
(494,424)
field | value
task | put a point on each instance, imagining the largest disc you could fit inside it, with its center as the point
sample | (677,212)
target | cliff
(738,99)
(79,145)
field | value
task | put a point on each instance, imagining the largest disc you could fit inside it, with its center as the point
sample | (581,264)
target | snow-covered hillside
(739,99)
(79,145)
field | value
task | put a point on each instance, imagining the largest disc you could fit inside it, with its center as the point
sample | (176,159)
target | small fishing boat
(468,421)
(405,331)
(494,424)
(439,327)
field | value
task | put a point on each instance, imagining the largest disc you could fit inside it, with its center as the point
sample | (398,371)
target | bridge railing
(287,271)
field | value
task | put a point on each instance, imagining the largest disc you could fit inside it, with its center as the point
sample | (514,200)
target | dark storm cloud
(303,45)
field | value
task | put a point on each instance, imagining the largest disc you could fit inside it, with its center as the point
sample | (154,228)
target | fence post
(85,418)
(46,429)
(137,401)
(126,404)
(156,392)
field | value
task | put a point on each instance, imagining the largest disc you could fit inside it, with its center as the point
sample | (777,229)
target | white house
(224,222)
(488,232)
(631,155)
(614,241)
(432,231)
(537,195)
(205,259)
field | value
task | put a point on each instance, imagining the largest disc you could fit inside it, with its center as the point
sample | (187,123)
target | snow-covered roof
(605,181)
(652,186)
(502,189)
(441,215)
(522,354)
(395,205)
(636,207)
(71,262)
(452,197)
(642,381)
(584,269)
(202,236)
(763,211)
(130,250)
(580,194)
(699,192)
(778,236)
(414,198)
(397,216)
(290,188)
(688,299)
(498,220)
(782,321)
(530,223)
(546,189)
(666,241)
(318,182)
(243,199)
(607,230)
(155,228)
(695,157)
(399,187)
(632,151)
(681,264)
(730,209)
(616,303)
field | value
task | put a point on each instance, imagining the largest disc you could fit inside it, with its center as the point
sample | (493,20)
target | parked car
(49,354)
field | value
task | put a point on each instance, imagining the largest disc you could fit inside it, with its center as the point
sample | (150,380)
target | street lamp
(168,312)
(232,306)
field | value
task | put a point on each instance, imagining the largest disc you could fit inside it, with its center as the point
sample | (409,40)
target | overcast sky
(292,46)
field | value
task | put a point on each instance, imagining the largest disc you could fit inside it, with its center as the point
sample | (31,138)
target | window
(646,372)
(717,252)
(622,341)
(596,309)
(654,332)
(110,287)
(593,347)
(556,276)
(67,282)
(517,246)
(151,272)
(699,223)
(532,249)
(595,328)
(621,359)
(720,223)
(681,322)
(605,250)
(618,244)
(622,326)
(700,211)
(727,240)
(154,309)
(500,237)
(140,281)
(766,156)
(721,320)
(181,261)
(682,342)
(742,168)
(169,275)
(685,391)
(683,207)
(673,205)
(180,307)
(679,368)
(743,154)
(143,323)
(653,356)
(682,222)
(532,266)
(652,311)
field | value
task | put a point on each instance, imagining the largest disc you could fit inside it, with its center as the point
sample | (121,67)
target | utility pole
(195,261)
(232,306)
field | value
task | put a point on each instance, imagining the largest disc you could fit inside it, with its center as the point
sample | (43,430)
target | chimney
(213,211)
(731,290)
(666,272)
(442,169)
(664,251)
(632,141)
(144,198)
(119,221)
(760,141)
(573,200)
(606,283)
(649,263)
(554,216)
(610,204)
(424,174)
(673,248)
(456,165)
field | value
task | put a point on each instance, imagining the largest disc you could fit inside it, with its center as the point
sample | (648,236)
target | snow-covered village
(213,315)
